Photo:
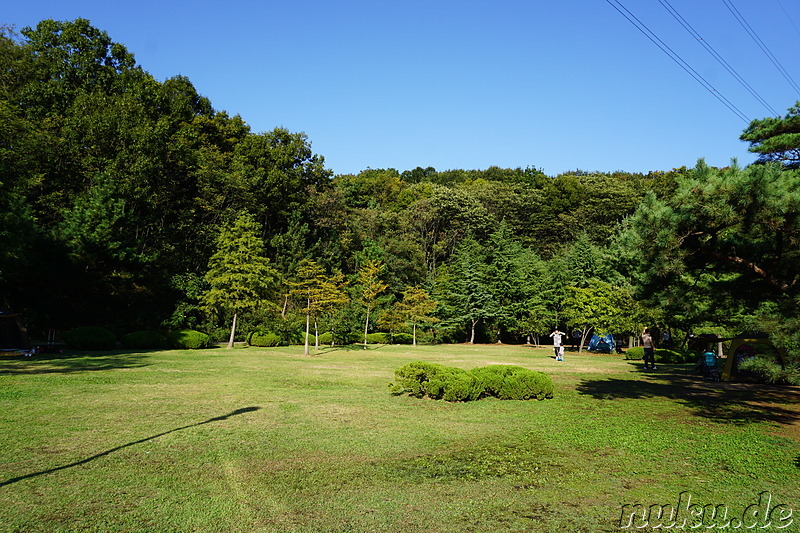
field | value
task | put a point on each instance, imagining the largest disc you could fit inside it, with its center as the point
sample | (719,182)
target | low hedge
(144,340)
(264,339)
(377,338)
(436,381)
(91,338)
(188,339)
(403,338)
(661,355)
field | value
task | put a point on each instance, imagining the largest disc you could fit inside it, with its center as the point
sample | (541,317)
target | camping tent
(13,336)
(602,343)
(747,345)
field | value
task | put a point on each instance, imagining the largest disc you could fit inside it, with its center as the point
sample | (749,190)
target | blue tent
(602,343)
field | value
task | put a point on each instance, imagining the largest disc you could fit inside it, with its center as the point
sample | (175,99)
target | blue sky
(466,84)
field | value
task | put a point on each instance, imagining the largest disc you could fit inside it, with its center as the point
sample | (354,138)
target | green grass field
(265,439)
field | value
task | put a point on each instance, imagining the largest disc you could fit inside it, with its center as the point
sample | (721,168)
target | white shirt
(557,338)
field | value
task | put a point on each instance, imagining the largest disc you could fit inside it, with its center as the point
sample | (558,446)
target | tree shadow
(723,402)
(140,441)
(71,362)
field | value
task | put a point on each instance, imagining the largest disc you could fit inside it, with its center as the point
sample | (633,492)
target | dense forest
(132,203)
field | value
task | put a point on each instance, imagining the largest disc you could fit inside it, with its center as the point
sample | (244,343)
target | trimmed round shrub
(673,357)
(144,340)
(260,338)
(661,355)
(436,381)
(403,338)
(326,338)
(377,338)
(91,338)
(510,382)
(635,354)
(188,339)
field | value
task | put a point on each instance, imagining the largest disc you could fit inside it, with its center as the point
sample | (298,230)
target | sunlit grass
(269,440)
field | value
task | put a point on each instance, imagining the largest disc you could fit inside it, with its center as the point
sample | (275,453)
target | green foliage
(770,371)
(509,382)
(261,338)
(402,338)
(377,338)
(145,339)
(662,355)
(326,338)
(437,381)
(91,338)
(188,339)
(634,354)
(776,138)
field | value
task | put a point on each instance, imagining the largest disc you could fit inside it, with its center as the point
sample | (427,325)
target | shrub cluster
(188,339)
(377,338)
(264,338)
(662,355)
(91,338)
(437,381)
(144,340)
(402,338)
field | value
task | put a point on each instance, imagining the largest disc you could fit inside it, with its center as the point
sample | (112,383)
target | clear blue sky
(558,85)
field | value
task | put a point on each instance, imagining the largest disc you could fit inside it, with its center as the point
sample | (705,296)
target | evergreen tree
(239,276)
(371,287)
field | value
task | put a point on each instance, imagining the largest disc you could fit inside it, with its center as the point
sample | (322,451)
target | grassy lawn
(265,439)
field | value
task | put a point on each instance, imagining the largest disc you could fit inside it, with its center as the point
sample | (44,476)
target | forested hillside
(117,190)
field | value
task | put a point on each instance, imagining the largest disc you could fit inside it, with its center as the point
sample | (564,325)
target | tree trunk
(285,305)
(308,324)
(472,335)
(233,332)
(366,328)
(316,335)
(415,334)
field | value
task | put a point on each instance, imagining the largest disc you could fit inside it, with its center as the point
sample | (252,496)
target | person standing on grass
(557,346)
(649,350)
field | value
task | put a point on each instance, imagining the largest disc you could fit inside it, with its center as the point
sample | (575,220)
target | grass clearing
(265,439)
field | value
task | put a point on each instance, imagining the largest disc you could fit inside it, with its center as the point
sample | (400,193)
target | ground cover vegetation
(132,204)
(266,439)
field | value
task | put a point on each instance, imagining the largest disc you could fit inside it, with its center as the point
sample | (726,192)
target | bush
(635,354)
(673,357)
(91,338)
(661,355)
(377,338)
(188,339)
(403,338)
(144,340)
(326,338)
(509,382)
(436,381)
(264,338)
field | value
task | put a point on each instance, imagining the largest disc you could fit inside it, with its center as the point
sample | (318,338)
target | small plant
(91,338)
(144,340)
(188,339)
(261,338)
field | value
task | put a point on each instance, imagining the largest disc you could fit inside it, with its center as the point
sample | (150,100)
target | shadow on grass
(724,402)
(71,362)
(140,441)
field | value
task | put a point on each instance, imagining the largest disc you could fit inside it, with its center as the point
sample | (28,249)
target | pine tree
(238,274)
(371,287)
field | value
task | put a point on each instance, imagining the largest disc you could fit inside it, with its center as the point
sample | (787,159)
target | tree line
(133,202)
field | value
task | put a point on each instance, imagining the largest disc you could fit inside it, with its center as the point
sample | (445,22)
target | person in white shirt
(558,348)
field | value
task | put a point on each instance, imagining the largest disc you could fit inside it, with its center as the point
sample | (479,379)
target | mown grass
(265,439)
